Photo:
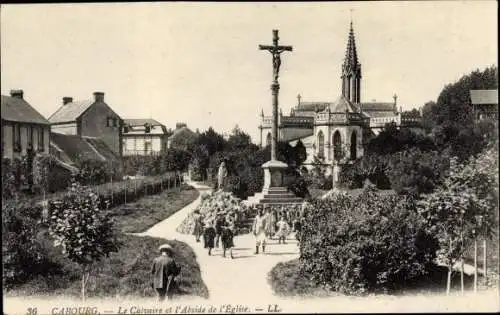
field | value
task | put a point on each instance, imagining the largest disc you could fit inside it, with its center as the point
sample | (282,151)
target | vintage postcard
(249,157)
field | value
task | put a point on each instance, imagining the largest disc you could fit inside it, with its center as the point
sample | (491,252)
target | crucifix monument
(273,169)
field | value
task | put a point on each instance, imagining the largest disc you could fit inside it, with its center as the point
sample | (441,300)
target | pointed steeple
(351,55)
(351,70)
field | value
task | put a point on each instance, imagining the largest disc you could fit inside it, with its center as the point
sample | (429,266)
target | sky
(199,63)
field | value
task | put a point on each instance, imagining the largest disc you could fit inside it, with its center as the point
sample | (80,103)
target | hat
(165,247)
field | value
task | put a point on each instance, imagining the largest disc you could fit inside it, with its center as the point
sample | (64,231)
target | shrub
(20,250)
(363,244)
(416,172)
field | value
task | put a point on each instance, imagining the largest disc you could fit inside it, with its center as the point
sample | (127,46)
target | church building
(335,130)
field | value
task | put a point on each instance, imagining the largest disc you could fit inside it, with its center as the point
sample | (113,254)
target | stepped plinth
(273,191)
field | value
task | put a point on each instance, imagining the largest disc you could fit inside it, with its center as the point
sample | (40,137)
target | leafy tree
(429,114)
(463,207)
(83,230)
(239,139)
(416,172)
(453,104)
(212,141)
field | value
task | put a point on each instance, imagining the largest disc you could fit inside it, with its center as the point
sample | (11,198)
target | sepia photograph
(249,157)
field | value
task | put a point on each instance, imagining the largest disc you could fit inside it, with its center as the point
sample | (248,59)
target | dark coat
(209,237)
(163,267)
(219,224)
(227,238)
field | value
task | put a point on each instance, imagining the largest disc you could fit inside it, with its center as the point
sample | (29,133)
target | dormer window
(147,128)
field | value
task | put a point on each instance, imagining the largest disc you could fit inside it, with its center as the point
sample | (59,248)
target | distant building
(484,104)
(182,137)
(143,137)
(23,127)
(89,118)
(335,130)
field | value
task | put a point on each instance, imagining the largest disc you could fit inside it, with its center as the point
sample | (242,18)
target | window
(115,122)
(125,129)
(29,134)
(41,140)
(321,145)
(110,122)
(147,128)
(16,138)
(337,146)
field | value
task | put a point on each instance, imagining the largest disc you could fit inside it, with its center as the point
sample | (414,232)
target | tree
(453,104)
(461,208)
(83,230)
(212,141)
(239,139)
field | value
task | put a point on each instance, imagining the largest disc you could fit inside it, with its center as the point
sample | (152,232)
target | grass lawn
(286,280)
(124,274)
(127,272)
(136,217)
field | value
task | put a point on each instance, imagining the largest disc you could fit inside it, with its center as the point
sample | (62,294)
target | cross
(275,50)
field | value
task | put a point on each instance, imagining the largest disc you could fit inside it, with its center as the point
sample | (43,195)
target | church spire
(351,70)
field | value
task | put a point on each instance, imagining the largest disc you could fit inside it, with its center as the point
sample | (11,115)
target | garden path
(231,281)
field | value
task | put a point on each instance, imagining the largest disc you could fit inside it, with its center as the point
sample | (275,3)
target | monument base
(273,191)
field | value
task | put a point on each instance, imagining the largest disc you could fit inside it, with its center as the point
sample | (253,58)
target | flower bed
(211,204)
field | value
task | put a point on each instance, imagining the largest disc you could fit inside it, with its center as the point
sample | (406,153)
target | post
(485,266)
(275,87)
(475,264)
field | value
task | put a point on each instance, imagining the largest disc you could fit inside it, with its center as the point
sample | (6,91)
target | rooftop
(17,109)
(70,112)
(479,97)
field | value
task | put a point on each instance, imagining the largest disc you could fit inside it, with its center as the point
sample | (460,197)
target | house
(71,149)
(182,137)
(89,118)
(336,130)
(484,104)
(23,127)
(143,137)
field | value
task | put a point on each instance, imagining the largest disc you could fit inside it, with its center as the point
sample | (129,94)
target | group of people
(218,230)
(273,223)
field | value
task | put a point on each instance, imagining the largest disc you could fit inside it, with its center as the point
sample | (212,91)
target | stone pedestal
(273,174)
(273,191)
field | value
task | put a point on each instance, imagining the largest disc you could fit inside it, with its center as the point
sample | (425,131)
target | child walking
(283,230)
(209,236)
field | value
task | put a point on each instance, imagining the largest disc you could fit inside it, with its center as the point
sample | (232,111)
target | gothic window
(321,144)
(337,146)
(354,144)
(268,139)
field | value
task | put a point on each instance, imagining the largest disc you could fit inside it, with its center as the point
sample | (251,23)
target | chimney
(67,100)
(17,93)
(99,96)
(180,125)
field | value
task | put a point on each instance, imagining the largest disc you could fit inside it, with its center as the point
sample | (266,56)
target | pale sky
(199,63)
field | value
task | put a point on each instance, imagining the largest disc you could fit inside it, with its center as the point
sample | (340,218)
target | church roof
(312,106)
(342,105)
(479,97)
(377,107)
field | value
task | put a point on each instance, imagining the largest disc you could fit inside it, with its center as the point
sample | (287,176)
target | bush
(22,254)
(364,244)
(416,172)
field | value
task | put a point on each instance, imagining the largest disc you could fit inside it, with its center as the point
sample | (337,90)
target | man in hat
(163,271)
